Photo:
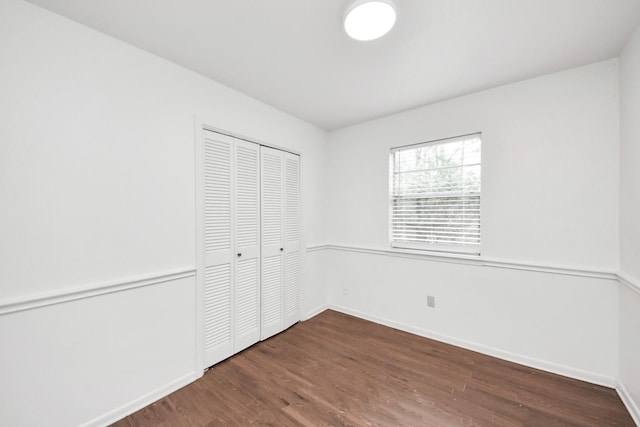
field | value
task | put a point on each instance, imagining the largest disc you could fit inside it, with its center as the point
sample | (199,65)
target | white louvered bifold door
(247,244)
(248,215)
(291,239)
(218,267)
(272,241)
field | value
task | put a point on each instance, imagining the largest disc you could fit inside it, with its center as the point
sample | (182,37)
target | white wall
(97,187)
(549,197)
(89,360)
(630,221)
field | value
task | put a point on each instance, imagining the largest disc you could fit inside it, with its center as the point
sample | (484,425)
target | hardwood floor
(337,370)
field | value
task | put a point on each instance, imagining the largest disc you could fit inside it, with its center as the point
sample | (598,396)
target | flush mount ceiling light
(369,20)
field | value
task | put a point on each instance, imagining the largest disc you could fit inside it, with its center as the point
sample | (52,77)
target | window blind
(435,195)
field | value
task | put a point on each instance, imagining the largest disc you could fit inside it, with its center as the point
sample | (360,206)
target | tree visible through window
(435,195)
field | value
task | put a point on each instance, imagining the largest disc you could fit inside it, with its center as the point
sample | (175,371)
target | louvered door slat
(217,268)
(247,244)
(247,194)
(217,306)
(247,302)
(217,197)
(291,285)
(272,293)
(271,197)
(292,239)
(272,180)
(292,197)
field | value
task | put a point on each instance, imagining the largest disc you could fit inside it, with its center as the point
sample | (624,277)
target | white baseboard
(314,312)
(490,351)
(145,400)
(632,407)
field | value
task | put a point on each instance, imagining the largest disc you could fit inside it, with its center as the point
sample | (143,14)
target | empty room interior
(260,213)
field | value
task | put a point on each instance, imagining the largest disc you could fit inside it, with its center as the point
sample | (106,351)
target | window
(435,195)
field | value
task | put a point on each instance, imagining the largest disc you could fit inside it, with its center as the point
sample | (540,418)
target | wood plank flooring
(337,370)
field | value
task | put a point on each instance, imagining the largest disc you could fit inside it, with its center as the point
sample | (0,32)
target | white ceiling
(294,54)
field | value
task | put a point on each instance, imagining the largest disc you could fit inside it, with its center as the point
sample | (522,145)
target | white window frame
(464,249)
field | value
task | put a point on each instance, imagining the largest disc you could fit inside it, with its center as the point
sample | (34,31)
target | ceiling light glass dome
(369,20)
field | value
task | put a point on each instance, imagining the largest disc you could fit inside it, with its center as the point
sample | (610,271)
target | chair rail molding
(630,283)
(472,260)
(13,305)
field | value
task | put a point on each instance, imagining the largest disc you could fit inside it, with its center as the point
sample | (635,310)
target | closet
(248,242)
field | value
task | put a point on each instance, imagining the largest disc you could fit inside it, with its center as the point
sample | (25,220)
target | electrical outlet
(345,291)
(431,301)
